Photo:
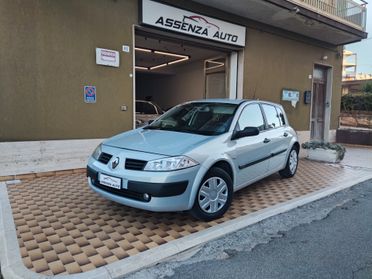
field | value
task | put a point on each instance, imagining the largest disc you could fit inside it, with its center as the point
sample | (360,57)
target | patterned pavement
(63,227)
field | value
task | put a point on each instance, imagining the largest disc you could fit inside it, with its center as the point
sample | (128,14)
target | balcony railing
(343,10)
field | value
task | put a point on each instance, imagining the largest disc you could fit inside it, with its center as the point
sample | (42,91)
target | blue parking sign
(90,95)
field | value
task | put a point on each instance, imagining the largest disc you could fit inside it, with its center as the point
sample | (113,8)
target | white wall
(43,156)
(185,84)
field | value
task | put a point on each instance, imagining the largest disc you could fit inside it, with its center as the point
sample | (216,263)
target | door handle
(266,140)
(285,134)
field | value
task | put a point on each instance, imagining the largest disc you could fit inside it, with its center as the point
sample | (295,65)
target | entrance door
(318,103)
(215,78)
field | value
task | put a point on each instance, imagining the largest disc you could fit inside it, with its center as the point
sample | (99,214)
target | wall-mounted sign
(183,21)
(90,94)
(107,57)
(291,95)
(126,48)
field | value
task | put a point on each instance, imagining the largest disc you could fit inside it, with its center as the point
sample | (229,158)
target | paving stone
(35,254)
(40,265)
(81,259)
(59,248)
(89,251)
(97,260)
(50,256)
(57,267)
(66,257)
(72,268)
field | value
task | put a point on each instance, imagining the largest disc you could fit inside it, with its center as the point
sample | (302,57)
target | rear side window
(139,107)
(272,116)
(251,116)
(148,108)
(281,116)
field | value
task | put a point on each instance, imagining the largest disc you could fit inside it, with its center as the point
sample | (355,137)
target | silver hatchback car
(195,156)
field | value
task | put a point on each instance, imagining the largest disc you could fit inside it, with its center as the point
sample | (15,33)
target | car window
(281,116)
(139,107)
(251,116)
(272,116)
(148,108)
(198,118)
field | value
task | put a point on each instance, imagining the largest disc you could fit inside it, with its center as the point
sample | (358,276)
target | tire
(291,165)
(217,183)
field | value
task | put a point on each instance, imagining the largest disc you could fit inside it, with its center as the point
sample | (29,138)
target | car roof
(221,100)
(233,101)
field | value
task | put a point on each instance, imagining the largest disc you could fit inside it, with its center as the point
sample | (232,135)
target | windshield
(197,118)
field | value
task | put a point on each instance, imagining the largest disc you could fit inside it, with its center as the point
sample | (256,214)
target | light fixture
(158,66)
(324,57)
(178,61)
(142,49)
(141,68)
(217,64)
(169,54)
(180,58)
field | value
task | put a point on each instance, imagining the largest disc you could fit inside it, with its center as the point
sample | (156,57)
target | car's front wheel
(292,164)
(214,195)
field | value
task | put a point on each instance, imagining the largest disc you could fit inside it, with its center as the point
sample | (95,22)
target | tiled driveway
(63,227)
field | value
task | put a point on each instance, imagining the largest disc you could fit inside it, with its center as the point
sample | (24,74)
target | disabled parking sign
(90,94)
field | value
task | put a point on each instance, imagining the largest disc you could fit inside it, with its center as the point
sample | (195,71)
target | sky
(364,48)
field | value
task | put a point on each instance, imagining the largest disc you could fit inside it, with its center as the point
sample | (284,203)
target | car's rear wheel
(214,195)
(292,164)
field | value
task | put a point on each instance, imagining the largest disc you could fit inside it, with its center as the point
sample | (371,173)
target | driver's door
(251,155)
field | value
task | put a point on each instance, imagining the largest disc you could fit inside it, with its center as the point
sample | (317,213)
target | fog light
(146,197)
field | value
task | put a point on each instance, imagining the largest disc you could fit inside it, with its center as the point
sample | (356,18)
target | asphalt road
(330,238)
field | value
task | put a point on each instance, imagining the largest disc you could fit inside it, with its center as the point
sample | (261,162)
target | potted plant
(324,151)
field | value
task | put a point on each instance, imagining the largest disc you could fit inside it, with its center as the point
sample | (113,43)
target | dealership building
(72,70)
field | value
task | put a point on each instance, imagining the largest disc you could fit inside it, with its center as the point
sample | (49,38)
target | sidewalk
(62,227)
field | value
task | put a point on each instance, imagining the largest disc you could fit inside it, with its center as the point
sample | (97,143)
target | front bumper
(167,191)
(136,189)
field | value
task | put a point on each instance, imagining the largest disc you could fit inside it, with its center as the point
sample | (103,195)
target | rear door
(250,153)
(277,136)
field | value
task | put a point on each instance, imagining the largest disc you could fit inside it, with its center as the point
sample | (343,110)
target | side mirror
(247,132)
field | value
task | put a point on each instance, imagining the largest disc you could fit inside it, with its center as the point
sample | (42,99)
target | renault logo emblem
(115,163)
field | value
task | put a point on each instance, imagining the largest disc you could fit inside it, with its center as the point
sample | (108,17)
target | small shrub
(356,102)
(326,145)
(367,88)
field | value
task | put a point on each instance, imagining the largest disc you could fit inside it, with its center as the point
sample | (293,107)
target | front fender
(205,167)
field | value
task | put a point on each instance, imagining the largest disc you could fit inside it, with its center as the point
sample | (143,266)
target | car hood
(162,142)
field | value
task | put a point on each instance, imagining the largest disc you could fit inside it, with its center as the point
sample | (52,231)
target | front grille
(104,158)
(133,164)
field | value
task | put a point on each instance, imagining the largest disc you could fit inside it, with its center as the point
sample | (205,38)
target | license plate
(110,181)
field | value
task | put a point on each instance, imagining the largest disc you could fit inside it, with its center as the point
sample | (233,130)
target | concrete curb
(12,265)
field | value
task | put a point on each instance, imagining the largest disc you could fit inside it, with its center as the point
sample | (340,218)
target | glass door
(216,78)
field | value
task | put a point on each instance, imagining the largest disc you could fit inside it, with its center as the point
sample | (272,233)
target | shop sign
(90,94)
(183,21)
(107,57)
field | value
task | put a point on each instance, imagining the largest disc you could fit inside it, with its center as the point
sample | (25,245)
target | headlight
(97,152)
(170,164)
